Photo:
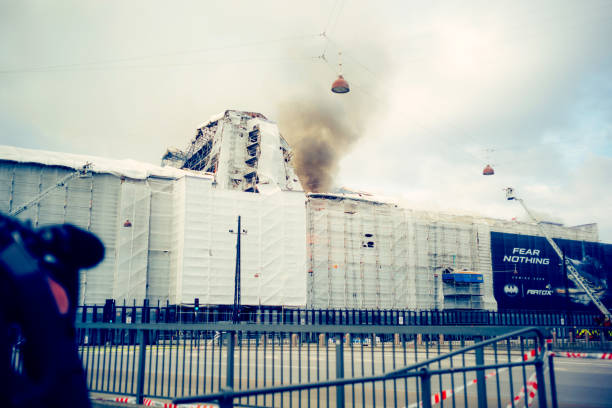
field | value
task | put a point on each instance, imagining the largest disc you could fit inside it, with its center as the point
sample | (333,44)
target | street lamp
(236,309)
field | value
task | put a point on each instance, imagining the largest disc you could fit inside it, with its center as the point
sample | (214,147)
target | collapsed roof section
(243,150)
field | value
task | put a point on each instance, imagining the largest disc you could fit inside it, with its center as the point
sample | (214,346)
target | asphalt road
(198,370)
(583,382)
(186,371)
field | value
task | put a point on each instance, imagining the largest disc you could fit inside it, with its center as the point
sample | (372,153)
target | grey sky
(434,85)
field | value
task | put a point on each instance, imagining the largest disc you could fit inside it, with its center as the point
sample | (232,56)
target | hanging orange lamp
(488,171)
(340,85)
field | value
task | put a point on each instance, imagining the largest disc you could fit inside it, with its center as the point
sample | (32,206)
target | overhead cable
(111,63)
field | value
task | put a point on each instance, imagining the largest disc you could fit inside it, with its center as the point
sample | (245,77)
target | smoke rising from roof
(320,134)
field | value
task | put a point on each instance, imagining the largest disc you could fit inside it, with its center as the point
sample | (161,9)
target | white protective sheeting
(177,244)
(105,201)
(272,168)
(161,239)
(127,168)
(483,262)
(89,202)
(273,255)
(246,152)
(231,153)
(213,118)
(130,282)
(365,253)
(167,238)
(353,260)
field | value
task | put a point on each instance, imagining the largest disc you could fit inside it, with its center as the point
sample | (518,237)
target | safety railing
(279,315)
(423,374)
(168,361)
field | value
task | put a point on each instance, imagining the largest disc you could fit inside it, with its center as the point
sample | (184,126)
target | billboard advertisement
(528,273)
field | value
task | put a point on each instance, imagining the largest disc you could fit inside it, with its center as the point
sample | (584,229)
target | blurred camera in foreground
(39,283)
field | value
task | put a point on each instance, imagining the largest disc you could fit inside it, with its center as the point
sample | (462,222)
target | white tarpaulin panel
(273,250)
(484,265)
(366,254)
(353,262)
(161,239)
(104,223)
(271,167)
(89,202)
(178,240)
(132,241)
(281,277)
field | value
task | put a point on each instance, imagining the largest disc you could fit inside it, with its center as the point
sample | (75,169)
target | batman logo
(511,290)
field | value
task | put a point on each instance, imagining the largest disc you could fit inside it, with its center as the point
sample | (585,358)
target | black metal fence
(180,360)
(277,315)
(175,360)
(425,375)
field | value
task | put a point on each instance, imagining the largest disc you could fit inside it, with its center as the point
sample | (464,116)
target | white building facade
(167,238)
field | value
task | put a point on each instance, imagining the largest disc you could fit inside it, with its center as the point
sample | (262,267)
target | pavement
(189,372)
(583,383)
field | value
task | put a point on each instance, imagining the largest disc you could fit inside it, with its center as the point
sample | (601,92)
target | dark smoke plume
(320,135)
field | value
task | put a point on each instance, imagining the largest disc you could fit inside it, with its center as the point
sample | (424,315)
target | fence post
(141,366)
(227,401)
(145,318)
(480,379)
(231,342)
(553,383)
(539,366)
(425,387)
(339,371)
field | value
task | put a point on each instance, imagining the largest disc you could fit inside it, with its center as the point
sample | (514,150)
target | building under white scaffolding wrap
(371,254)
(166,229)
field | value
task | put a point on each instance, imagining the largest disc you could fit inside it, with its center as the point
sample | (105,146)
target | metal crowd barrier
(249,364)
(424,373)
